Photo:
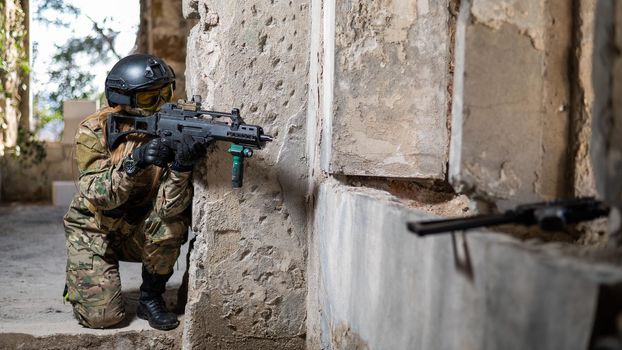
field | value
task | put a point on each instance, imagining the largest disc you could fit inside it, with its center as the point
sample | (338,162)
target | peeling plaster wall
(511,100)
(248,280)
(383,124)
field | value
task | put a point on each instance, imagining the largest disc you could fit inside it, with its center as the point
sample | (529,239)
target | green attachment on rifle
(239,152)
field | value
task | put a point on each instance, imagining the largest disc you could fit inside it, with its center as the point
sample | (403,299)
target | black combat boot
(151,306)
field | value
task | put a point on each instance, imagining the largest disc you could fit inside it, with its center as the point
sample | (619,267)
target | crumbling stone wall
(582,96)
(247,275)
(26,181)
(380,88)
(425,100)
(511,100)
(521,115)
(380,123)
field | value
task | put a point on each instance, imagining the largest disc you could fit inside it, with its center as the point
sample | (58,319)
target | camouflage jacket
(115,198)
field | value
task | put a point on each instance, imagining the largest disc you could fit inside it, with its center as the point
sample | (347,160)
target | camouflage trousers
(93,255)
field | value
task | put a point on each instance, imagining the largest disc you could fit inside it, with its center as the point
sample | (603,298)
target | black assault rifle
(174,121)
(550,216)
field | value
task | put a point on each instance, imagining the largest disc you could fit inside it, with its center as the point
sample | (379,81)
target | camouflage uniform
(116,217)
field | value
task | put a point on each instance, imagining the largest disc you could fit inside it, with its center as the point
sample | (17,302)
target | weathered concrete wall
(373,81)
(607,128)
(582,98)
(521,113)
(582,104)
(377,102)
(28,178)
(381,287)
(25,181)
(511,100)
(163,32)
(247,275)
(383,124)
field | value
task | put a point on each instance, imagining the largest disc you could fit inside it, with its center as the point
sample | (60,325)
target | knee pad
(99,316)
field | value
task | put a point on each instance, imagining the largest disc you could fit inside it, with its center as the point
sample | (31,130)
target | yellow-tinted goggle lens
(147,99)
(167,93)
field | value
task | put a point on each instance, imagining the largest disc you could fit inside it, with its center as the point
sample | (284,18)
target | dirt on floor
(32,271)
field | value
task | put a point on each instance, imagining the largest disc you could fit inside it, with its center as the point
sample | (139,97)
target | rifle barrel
(265,138)
(431,227)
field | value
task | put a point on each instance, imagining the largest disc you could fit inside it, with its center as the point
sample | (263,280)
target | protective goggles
(152,99)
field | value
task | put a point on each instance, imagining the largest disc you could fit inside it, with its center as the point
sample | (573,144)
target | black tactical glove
(187,154)
(154,152)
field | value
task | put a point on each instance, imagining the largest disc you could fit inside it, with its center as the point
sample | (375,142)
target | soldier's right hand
(155,152)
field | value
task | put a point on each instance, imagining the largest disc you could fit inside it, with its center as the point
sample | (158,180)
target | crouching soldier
(132,204)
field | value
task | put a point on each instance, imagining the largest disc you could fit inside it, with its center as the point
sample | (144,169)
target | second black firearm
(549,216)
(174,121)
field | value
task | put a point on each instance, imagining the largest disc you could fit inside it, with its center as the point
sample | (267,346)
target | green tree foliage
(12,39)
(50,11)
(71,76)
(14,59)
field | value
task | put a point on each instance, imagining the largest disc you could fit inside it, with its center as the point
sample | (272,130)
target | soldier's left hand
(188,152)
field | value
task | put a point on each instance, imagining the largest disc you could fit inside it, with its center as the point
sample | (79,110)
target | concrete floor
(32,276)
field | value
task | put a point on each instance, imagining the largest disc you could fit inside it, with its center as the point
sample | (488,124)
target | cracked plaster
(510,101)
(247,280)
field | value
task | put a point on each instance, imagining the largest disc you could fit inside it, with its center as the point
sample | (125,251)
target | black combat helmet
(135,73)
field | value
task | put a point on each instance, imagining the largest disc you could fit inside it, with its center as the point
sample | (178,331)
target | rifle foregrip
(238,152)
(237,172)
